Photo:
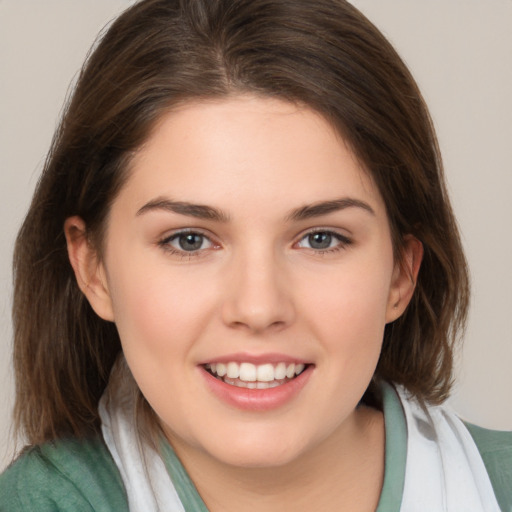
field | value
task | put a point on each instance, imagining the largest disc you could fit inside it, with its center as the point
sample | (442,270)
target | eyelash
(165,243)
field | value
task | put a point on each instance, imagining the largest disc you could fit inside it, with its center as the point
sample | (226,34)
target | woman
(250,281)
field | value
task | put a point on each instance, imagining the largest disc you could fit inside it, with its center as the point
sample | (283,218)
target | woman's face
(249,269)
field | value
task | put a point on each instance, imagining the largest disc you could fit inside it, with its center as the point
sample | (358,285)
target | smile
(252,376)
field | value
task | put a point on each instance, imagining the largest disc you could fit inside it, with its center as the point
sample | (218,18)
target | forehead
(244,148)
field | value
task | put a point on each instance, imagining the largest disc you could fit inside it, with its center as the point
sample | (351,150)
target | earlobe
(89,271)
(404,278)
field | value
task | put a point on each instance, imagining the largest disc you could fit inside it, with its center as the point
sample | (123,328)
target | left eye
(322,240)
(189,242)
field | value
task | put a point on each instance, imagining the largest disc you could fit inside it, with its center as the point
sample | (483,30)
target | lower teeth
(253,385)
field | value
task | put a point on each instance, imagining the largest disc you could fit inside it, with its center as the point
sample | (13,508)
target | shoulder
(77,475)
(495,447)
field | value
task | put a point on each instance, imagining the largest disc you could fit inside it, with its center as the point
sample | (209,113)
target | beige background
(461,54)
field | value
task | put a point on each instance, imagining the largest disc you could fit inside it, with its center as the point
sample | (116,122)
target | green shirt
(81,476)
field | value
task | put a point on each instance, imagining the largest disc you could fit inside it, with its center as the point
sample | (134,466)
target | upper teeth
(249,372)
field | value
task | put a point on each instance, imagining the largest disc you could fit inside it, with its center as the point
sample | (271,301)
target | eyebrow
(199,211)
(325,207)
(210,213)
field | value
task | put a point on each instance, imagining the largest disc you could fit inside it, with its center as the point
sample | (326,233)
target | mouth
(255,376)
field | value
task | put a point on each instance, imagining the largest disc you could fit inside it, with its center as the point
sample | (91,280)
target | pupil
(191,242)
(320,240)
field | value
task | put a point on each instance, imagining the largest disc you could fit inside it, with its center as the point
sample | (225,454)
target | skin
(256,286)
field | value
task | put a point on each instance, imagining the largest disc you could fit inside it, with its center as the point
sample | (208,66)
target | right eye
(186,242)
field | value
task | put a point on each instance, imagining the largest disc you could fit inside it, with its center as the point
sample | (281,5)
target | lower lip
(257,399)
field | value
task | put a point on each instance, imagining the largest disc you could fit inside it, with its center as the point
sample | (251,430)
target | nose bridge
(258,296)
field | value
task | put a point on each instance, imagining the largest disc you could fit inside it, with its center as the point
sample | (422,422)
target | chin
(252,453)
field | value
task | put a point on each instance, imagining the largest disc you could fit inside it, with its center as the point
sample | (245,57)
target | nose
(258,296)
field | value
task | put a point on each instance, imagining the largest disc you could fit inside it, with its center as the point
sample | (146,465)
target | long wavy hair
(324,54)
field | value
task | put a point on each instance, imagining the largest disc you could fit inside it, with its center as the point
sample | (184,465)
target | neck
(344,472)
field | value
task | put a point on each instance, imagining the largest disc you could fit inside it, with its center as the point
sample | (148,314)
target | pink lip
(256,399)
(272,358)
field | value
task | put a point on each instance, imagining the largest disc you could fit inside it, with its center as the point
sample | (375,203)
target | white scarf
(444,471)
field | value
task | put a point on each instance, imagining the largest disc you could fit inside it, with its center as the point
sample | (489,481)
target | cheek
(349,322)
(156,310)
(157,318)
(351,302)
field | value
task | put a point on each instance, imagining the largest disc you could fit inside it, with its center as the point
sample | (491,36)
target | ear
(404,278)
(89,271)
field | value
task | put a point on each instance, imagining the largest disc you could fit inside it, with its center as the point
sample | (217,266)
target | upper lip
(256,359)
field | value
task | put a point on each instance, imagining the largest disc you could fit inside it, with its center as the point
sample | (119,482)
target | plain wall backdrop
(460,52)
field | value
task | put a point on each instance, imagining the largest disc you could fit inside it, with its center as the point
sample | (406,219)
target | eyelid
(184,231)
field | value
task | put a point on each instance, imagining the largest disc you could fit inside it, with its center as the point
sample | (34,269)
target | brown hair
(324,54)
